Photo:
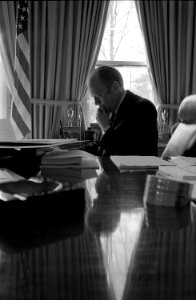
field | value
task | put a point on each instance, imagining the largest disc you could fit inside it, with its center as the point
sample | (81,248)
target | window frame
(119,63)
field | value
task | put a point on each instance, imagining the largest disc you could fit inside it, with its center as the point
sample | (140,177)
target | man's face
(103,96)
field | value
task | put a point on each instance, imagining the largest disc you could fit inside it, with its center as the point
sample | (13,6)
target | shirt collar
(121,99)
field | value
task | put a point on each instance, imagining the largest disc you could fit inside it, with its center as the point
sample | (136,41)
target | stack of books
(69,165)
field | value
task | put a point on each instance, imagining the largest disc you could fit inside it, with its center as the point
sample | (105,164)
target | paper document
(182,173)
(139,162)
(187,174)
(48,141)
(183,160)
(35,143)
(8,175)
(84,163)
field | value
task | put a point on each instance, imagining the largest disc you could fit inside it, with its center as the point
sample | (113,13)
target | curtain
(7,45)
(169,29)
(65,38)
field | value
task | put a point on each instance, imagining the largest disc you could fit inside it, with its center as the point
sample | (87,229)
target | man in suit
(128,121)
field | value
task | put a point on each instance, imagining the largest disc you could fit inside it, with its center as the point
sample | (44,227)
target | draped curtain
(169,29)
(7,45)
(65,40)
(65,37)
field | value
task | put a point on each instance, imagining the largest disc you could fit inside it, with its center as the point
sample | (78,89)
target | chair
(167,116)
(173,128)
(183,139)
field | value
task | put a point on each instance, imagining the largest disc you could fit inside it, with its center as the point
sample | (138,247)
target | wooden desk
(120,251)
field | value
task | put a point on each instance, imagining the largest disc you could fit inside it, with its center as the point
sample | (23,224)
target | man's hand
(103,119)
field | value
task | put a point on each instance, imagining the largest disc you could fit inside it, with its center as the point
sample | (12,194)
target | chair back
(183,139)
(187,110)
(167,116)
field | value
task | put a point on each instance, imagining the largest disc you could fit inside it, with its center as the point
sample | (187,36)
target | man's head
(106,86)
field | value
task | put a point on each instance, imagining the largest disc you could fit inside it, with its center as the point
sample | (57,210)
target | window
(123,47)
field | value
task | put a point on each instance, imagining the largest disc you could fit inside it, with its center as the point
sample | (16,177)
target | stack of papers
(184,169)
(178,172)
(61,158)
(183,160)
(67,165)
(78,159)
(35,143)
(133,162)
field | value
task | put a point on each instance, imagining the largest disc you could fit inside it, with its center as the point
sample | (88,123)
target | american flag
(21,106)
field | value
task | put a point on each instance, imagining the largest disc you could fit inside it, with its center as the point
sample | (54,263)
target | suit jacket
(134,131)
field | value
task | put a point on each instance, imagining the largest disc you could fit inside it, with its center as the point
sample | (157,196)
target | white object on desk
(178,172)
(8,175)
(139,162)
(35,143)
(183,160)
(61,159)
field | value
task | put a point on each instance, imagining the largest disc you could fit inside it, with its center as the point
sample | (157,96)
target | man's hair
(108,75)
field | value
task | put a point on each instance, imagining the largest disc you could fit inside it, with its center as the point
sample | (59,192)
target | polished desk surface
(121,249)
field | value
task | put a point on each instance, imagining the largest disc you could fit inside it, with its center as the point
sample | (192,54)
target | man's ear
(116,86)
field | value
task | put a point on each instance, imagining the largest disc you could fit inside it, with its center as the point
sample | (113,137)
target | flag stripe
(22,109)
(22,76)
(24,64)
(22,94)
(20,123)
(24,46)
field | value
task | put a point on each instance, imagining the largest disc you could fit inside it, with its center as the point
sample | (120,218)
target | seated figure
(128,121)
(183,139)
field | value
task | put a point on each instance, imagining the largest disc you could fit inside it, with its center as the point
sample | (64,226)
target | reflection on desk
(116,254)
